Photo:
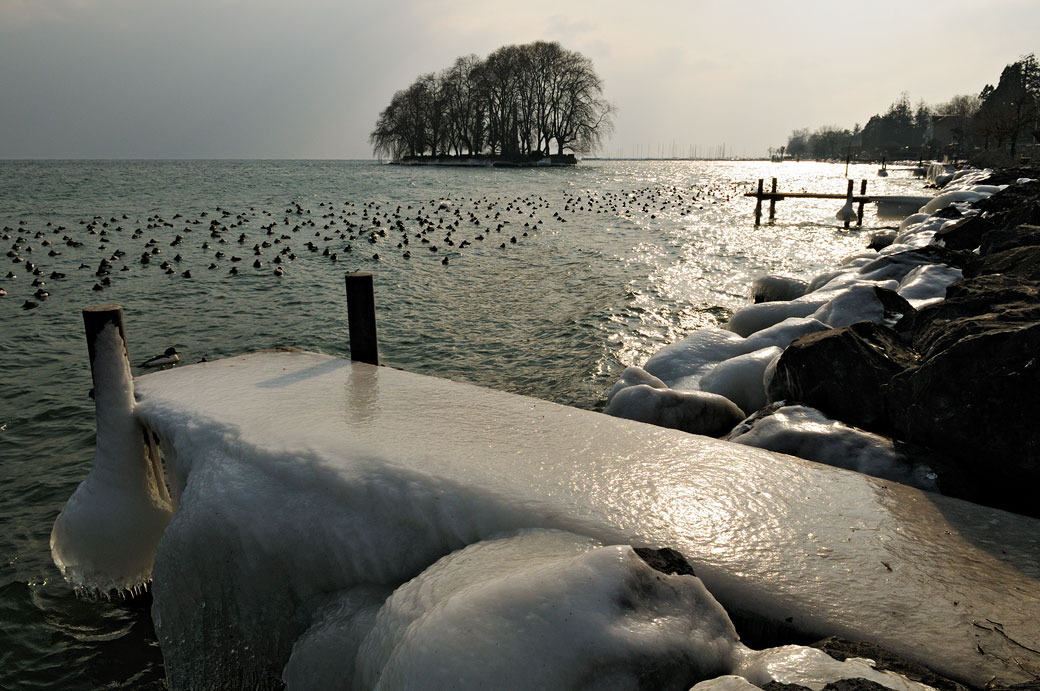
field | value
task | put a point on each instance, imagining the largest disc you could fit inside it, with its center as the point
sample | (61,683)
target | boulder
(842,372)
(1014,199)
(1016,205)
(854,684)
(927,284)
(697,412)
(841,649)
(773,288)
(973,397)
(666,560)
(805,432)
(1000,239)
(864,302)
(741,379)
(633,376)
(1022,262)
(881,239)
(935,254)
(964,235)
(780,686)
(973,306)
(1010,175)
(949,212)
(895,307)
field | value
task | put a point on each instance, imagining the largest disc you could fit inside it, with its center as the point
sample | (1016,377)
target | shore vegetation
(1002,119)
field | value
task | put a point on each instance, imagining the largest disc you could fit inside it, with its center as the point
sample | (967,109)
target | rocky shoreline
(956,381)
(921,356)
(922,367)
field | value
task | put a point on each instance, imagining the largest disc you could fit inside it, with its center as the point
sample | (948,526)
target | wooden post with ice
(105,537)
(758,205)
(95,319)
(859,210)
(361,318)
(772,203)
(846,214)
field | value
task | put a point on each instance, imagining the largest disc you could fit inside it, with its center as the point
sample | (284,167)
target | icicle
(105,537)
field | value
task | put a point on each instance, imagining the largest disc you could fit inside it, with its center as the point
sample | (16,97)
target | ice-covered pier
(306,488)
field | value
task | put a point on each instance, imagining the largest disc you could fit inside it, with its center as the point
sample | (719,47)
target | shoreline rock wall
(930,339)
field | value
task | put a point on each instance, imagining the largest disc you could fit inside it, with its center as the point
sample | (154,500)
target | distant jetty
(485,161)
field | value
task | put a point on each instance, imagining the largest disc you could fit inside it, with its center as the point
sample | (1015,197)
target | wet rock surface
(1023,262)
(975,399)
(1000,239)
(666,560)
(842,372)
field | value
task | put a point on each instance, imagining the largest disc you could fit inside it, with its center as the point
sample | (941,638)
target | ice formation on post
(104,539)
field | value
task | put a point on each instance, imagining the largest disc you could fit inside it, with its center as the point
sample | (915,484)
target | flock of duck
(236,243)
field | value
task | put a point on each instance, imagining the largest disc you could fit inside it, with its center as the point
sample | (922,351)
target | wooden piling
(95,319)
(758,205)
(361,318)
(859,211)
(772,204)
(848,195)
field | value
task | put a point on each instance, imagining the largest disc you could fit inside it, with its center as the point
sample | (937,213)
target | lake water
(556,279)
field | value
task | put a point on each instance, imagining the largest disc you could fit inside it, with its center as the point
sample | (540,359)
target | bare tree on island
(513,105)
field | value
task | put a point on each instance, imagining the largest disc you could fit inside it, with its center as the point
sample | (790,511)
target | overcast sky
(307,78)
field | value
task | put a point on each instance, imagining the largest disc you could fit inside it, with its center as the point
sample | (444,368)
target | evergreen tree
(1010,109)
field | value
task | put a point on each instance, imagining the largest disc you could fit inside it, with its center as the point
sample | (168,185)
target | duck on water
(168,357)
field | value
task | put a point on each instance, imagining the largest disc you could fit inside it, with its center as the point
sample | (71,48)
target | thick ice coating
(814,669)
(310,486)
(927,284)
(545,609)
(633,376)
(741,379)
(771,288)
(681,365)
(105,537)
(807,433)
(696,412)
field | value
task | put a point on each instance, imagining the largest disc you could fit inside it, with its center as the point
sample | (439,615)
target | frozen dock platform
(299,475)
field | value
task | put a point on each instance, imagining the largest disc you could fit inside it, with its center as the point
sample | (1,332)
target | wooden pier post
(758,205)
(95,319)
(361,318)
(772,203)
(848,195)
(859,211)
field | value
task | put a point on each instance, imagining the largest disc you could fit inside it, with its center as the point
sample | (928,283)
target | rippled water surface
(611,260)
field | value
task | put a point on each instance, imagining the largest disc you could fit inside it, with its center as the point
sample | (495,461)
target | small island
(538,159)
(508,110)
